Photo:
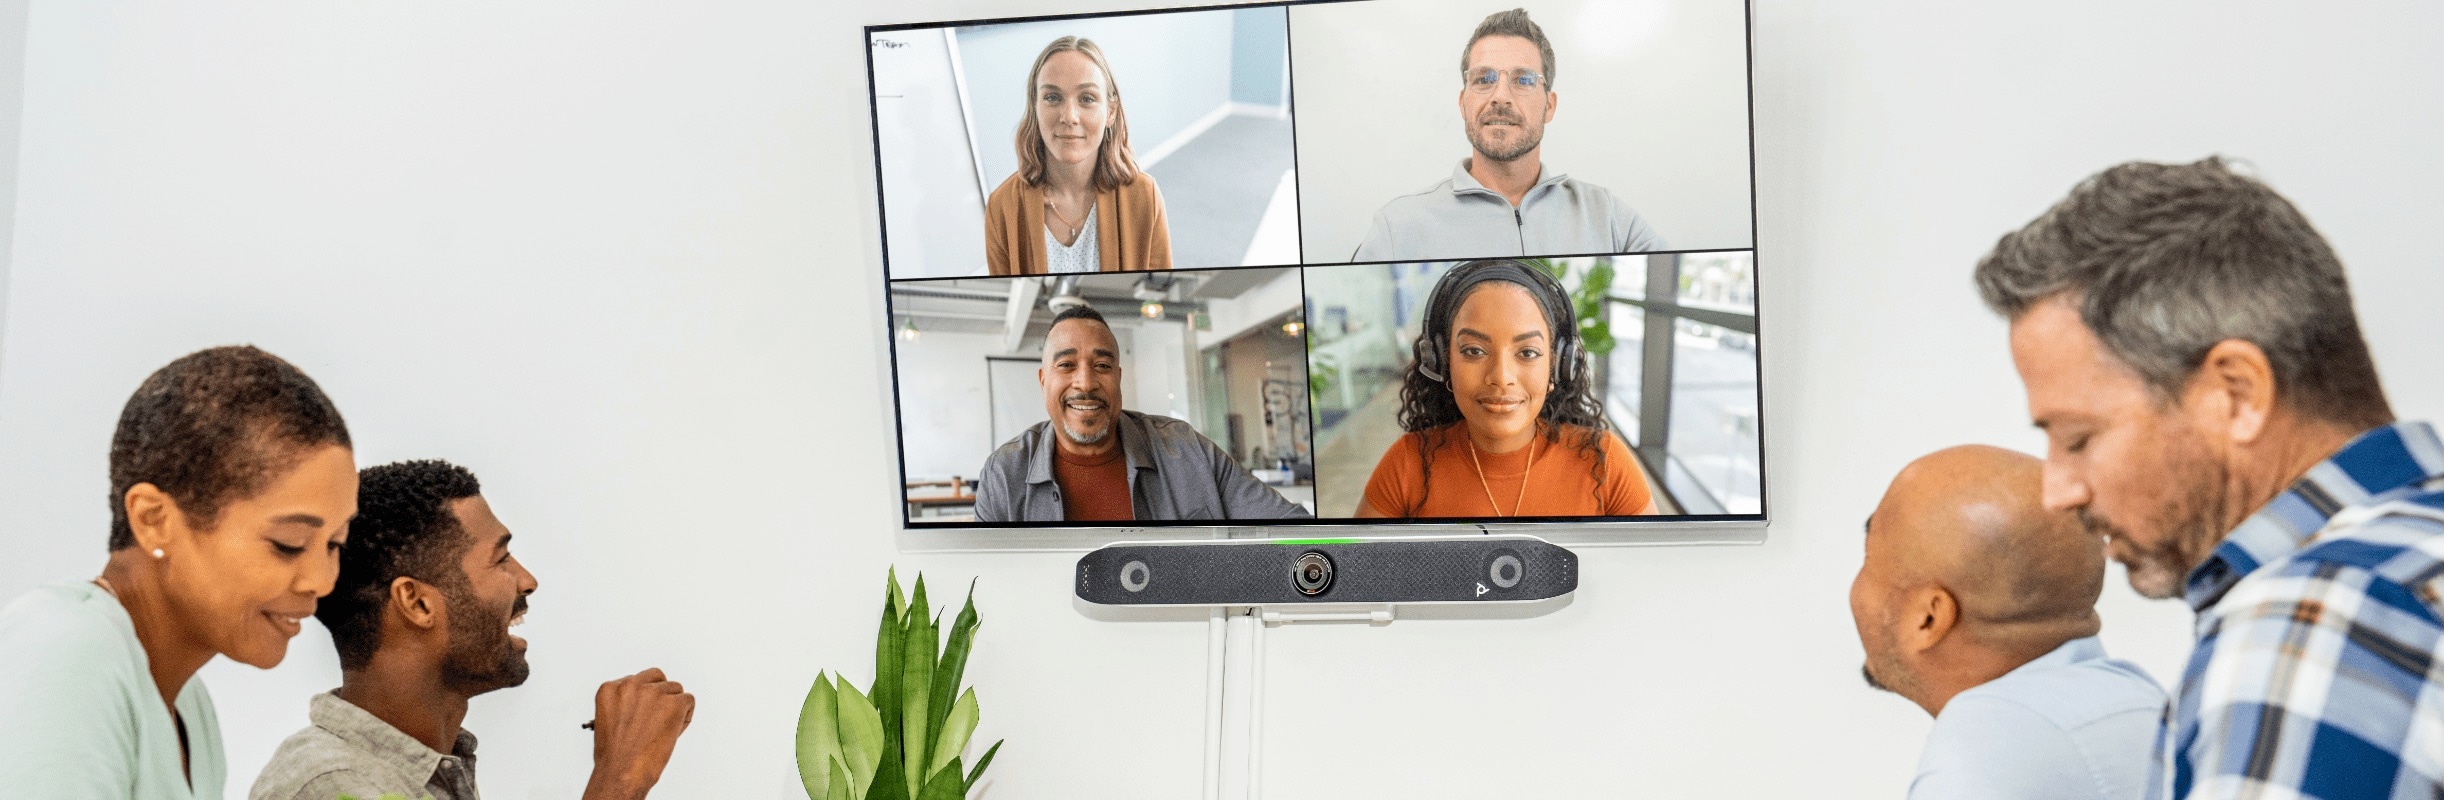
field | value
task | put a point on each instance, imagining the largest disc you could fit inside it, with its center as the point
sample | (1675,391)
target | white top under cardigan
(1084,256)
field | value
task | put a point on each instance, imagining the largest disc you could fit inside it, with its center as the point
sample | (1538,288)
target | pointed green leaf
(841,778)
(977,774)
(890,783)
(916,680)
(898,601)
(953,665)
(861,738)
(960,724)
(818,737)
(944,785)
(887,664)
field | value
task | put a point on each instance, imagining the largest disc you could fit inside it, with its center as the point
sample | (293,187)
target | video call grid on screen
(1263,362)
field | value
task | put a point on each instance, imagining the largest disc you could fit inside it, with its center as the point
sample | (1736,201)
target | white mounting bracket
(1377,615)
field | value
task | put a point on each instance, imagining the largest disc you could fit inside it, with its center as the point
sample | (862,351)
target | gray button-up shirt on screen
(1460,218)
(350,751)
(1174,474)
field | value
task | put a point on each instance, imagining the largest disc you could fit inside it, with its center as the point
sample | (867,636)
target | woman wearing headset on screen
(1078,202)
(1500,416)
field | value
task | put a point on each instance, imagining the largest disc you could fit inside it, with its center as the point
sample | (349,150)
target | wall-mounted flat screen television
(1392,264)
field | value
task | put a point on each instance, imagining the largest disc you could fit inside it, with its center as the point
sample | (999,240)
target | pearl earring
(157,554)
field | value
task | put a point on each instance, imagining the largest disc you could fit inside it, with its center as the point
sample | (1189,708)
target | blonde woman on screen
(1078,202)
(1500,414)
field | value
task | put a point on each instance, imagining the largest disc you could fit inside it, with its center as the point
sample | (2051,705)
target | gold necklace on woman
(1074,227)
(1516,503)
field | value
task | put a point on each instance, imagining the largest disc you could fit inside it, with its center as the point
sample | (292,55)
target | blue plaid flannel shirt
(2317,673)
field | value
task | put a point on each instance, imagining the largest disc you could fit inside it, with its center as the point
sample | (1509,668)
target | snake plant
(904,738)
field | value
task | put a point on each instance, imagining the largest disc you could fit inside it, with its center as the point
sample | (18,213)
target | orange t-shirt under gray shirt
(1094,487)
(1563,481)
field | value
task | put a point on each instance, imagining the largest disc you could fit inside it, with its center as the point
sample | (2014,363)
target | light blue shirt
(2071,724)
(80,718)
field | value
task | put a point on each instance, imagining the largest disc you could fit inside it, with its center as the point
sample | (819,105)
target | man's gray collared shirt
(350,751)
(1459,218)
(1175,473)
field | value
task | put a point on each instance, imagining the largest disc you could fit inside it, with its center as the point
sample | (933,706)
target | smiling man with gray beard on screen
(1094,461)
(1502,200)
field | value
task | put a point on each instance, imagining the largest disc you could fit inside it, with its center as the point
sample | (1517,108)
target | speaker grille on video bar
(1367,572)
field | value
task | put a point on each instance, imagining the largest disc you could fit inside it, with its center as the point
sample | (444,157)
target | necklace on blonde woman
(1072,227)
(1516,503)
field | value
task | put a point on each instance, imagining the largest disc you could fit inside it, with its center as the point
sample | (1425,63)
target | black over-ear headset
(1569,368)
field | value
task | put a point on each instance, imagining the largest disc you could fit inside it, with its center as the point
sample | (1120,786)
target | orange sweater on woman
(1130,231)
(1561,483)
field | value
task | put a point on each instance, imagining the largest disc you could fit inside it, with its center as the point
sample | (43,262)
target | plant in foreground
(903,739)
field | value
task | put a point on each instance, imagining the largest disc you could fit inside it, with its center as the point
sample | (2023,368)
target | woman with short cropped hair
(232,482)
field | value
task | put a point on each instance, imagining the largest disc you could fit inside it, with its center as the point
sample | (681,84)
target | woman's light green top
(83,718)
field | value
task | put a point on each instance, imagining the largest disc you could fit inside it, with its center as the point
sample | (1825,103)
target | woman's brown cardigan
(1131,233)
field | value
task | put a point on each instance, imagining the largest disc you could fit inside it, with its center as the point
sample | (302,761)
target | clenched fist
(637,722)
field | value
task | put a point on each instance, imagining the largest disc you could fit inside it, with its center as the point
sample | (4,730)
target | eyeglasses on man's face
(1483,79)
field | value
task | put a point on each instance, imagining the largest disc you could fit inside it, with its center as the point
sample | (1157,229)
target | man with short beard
(1502,200)
(1979,605)
(426,595)
(1094,461)
(2189,348)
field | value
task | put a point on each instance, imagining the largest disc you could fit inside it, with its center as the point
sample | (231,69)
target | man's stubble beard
(1883,671)
(2193,524)
(1079,438)
(1110,409)
(481,656)
(1529,138)
(1885,674)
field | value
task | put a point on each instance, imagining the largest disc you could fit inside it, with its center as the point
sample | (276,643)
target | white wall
(12,101)
(619,258)
(943,403)
(935,209)
(1155,362)
(1653,106)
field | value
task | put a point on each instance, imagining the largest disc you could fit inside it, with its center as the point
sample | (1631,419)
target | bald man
(1980,606)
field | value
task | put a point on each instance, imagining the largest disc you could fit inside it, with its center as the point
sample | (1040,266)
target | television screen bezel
(1065,536)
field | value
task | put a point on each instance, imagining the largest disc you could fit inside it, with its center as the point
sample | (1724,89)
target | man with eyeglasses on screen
(1502,200)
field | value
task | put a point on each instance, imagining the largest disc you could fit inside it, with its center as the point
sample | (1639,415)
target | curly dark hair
(212,426)
(1427,409)
(403,529)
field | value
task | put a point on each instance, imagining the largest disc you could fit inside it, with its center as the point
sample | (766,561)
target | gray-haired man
(2190,351)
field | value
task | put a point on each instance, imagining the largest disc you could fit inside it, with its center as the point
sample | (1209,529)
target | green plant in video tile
(905,737)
